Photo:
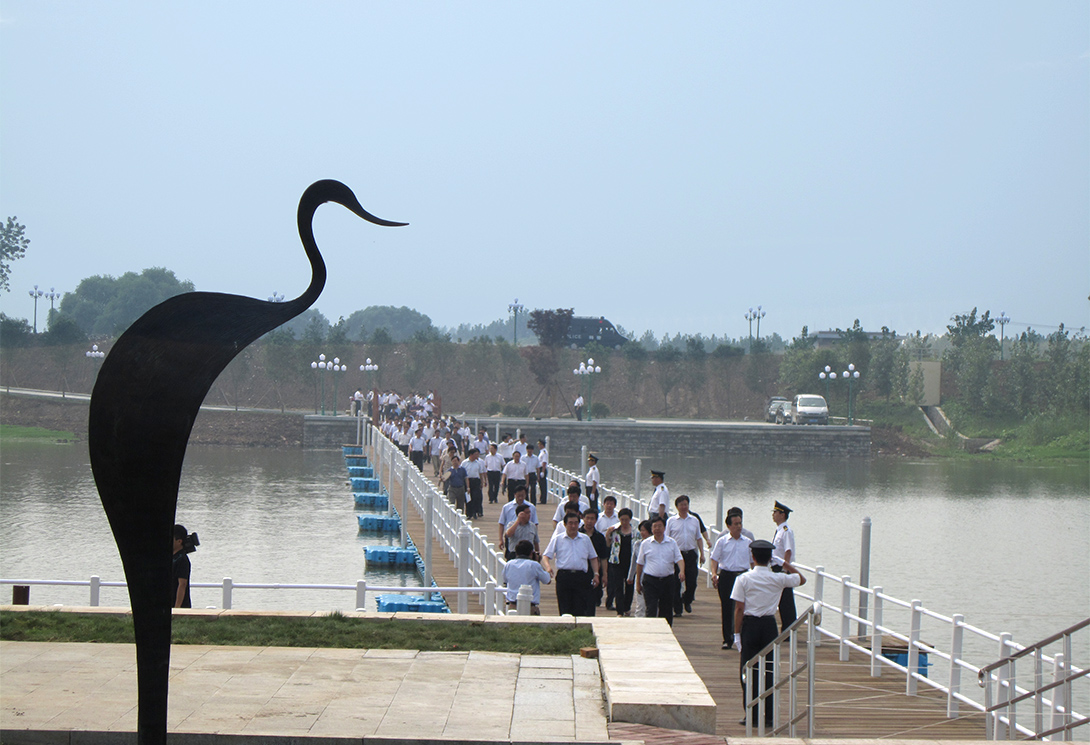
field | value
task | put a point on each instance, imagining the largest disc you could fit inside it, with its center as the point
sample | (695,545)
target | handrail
(1033,647)
(756,707)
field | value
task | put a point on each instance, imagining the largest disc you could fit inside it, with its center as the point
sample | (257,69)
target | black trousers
(726,584)
(658,596)
(757,632)
(531,487)
(573,592)
(787,608)
(692,570)
(494,486)
(619,592)
(417,457)
(512,485)
(475,507)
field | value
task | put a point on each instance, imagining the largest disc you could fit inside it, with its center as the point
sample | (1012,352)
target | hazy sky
(666,165)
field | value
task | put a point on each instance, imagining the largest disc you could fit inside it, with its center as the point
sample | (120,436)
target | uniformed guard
(783,552)
(660,500)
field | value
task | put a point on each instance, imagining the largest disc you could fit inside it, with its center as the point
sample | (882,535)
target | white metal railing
(1050,716)
(756,669)
(479,562)
(897,623)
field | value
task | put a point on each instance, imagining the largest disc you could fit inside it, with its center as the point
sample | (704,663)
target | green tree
(636,357)
(760,373)
(400,323)
(667,369)
(13,245)
(1059,377)
(14,332)
(695,369)
(63,330)
(104,306)
(969,357)
(725,359)
(883,363)
(919,346)
(1022,377)
(283,362)
(550,326)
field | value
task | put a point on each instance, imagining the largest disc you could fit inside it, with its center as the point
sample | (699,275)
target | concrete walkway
(52,692)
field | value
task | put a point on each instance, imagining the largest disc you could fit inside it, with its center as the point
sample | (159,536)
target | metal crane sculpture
(148,394)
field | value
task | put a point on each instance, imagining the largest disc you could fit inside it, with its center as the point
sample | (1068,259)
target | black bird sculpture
(148,393)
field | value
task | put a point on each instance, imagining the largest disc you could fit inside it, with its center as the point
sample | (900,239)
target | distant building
(827,339)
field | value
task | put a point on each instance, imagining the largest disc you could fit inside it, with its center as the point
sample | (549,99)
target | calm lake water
(262,516)
(1005,544)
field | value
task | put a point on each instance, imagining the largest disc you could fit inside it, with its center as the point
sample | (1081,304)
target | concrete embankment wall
(642,438)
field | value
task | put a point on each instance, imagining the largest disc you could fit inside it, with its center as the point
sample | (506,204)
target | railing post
(96,583)
(429,512)
(1004,683)
(956,637)
(361,595)
(524,601)
(463,568)
(490,598)
(1059,695)
(720,491)
(819,590)
(404,507)
(227,585)
(876,636)
(579,472)
(811,661)
(636,488)
(913,650)
(864,574)
(845,622)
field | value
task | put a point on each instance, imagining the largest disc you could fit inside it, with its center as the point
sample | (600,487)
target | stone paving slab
(61,693)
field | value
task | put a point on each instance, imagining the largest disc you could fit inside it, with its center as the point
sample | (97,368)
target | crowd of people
(598,556)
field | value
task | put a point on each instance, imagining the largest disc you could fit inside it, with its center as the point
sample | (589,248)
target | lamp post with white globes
(336,367)
(95,356)
(52,295)
(515,307)
(586,371)
(35,293)
(316,366)
(1003,319)
(371,368)
(851,374)
(827,374)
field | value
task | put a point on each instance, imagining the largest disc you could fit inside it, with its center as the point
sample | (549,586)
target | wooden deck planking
(850,703)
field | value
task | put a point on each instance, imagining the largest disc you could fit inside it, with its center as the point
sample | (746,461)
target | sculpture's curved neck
(308,205)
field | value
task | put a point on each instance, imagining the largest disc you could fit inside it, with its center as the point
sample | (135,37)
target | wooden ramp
(850,703)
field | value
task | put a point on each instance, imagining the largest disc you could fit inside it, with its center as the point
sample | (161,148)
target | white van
(809,408)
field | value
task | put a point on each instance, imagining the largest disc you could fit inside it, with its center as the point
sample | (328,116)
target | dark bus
(583,330)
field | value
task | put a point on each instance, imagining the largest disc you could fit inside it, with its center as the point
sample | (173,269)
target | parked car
(809,408)
(783,413)
(771,405)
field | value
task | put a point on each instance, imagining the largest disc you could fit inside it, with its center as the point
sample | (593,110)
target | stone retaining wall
(642,438)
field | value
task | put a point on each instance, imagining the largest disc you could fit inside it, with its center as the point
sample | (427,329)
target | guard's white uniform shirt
(783,542)
(732,554)
(571,553)
(507,512)
(593,479)
(760,589)
(661,496)
(543,456)
(658,559)
(684,530)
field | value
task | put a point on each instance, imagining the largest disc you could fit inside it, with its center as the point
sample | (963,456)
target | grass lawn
(11,432)
(334,630)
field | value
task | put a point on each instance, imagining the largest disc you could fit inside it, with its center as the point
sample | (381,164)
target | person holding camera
(184,544)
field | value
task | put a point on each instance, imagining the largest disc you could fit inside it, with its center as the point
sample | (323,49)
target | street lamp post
(586,371)
(1002,320)
(95,356)
(515,307)
(319,365)
(852,375)
(749,317)
(827,374)
(276,297)
(35,293)
(369,368)
(760,315)
(336,367)
(52,295)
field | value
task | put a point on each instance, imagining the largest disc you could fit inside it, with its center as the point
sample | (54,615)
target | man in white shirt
(493,463)
(575,499)
(658,564)
(507,512)
(437,446)
(660,500)
(474,470)
(756,595)
(592,481)
(578,405)
(532,464)
(609,517)
(543,469)
(506,448)
(730,558)
(514,475)
(522,570)
(416,449)
(685,528)
(570,557)
(738,511)
(783,552)
(521,444)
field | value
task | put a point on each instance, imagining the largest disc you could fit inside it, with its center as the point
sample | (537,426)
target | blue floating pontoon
(380,523)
